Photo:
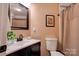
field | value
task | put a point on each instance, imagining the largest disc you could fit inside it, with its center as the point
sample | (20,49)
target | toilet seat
(56,53)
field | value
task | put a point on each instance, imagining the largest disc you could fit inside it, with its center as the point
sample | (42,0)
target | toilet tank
(51,44)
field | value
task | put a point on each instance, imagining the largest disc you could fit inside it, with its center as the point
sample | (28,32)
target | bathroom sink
(20,43)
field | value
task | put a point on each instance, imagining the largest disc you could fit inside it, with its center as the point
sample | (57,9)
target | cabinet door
(35,49)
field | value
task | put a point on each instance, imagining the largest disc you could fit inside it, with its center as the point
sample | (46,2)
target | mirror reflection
(19,16)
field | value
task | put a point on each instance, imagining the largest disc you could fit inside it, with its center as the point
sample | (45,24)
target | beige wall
(38,12)
(25,33)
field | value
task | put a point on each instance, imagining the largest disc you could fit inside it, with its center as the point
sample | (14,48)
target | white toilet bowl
(51,45)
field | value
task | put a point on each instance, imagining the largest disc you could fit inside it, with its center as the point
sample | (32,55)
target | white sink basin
(20,43)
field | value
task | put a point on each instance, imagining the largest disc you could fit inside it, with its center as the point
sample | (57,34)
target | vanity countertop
(20,45)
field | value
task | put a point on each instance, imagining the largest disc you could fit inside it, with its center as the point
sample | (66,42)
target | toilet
(51,45)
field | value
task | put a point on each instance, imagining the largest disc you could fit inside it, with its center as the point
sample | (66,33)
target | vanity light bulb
(18,9)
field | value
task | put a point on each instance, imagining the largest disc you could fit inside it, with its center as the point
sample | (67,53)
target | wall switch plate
(34,29)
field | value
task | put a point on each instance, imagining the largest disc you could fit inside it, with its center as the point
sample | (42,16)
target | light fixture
(17,9)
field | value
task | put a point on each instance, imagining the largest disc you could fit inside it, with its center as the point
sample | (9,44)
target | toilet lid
(55,53)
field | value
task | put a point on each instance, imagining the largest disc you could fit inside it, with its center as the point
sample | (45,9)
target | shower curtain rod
(65,7)
(71,4)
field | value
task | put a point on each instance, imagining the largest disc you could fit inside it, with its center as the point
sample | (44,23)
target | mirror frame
(27,19)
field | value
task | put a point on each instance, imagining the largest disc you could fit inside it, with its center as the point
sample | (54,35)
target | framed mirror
(19,16)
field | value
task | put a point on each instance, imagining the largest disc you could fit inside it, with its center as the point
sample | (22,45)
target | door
(3,27)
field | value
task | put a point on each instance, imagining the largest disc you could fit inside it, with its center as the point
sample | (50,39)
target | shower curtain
(70,31)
